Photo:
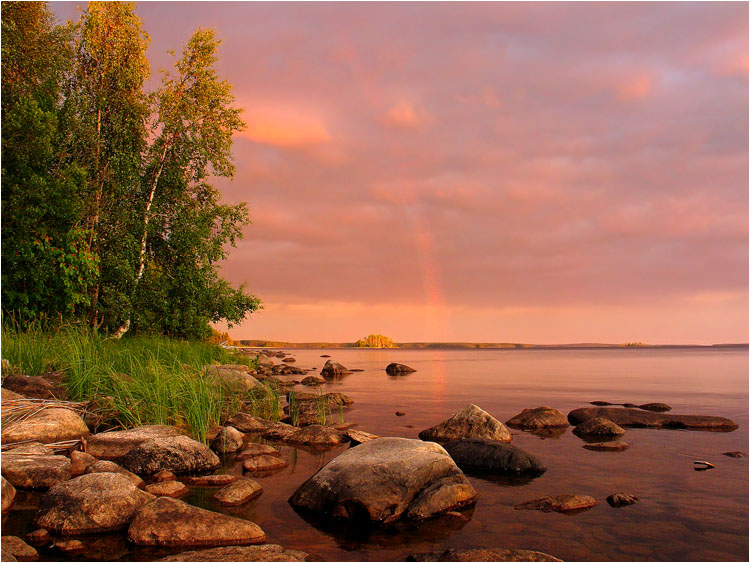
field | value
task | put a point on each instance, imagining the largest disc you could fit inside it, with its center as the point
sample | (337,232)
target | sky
(494,172)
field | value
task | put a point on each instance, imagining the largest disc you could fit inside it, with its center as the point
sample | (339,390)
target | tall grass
(132,381)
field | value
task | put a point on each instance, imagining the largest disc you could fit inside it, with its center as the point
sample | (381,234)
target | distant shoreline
(480,346)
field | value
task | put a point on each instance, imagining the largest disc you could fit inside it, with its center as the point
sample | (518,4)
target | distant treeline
(472,345)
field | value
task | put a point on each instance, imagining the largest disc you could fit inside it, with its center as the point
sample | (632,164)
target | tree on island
(375,341)
(108,217)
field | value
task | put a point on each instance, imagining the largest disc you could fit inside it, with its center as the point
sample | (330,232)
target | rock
(30,448)
(79,461)
(8,495)
(35,471)
(325,355)
(111,467)
(336,399)
(172,523)
(598,427)
(316,436)
(469,422)
(621,499)
(19,548)
(8,395)
(630,405)
(490,456)
(39,537)
(734,454)
(483,555)
(47,426)
(289,359)
(559,503)
(354,370)
(173,489)
(113,445)
(359,437)
(30,386)
(178,454)
(264,361)
(266,552)
(93,503)
(244,422)
(231,379)
(384,480)
(229,440)
(252,449)
(538,418)
(313,380)
(612,446)
(333,369)
(279,432)
(210,480)
(70,546)
(213,432)
(398,369)
(263,463)
(637,418)
(239,492)
(601,403)
(400,413)
(164,475)
(656,407)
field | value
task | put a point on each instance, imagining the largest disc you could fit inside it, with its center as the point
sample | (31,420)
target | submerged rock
(93,503)
(559,503)
(111,467)
(734,454)
(333,369)
(267,552)
(113,445)
(253,449)
(613,446)
(172,523)
(483,555)
(398,369)
(638,418)
(621,499)
(598,426)
(8,495)
(384,480)
(239,492)
(220,480)
(469,422)
(264,463)
(47,426)
(538,418)
(490,456)
(35,471)
(178,454)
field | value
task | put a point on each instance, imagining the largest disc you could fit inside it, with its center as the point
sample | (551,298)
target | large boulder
(266,552)
(637,418)
(46,426)
(232,379)
(398,369)
(178,454)
(114,445)
(384,480)
(539,418)
(469,422)
(172,523)
(598,427)
(35,471)
(490,456)
(8,495)
(93,503)
(483,555)
(333,369)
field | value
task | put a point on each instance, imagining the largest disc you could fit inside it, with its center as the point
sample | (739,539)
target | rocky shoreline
(129,482)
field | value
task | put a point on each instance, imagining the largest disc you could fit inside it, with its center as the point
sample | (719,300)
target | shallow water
(683,515)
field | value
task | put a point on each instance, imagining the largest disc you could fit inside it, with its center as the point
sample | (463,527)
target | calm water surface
(684,515)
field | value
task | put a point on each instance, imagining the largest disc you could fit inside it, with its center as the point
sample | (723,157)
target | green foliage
(375,341)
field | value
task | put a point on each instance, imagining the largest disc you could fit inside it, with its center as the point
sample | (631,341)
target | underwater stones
(559,503)
(469,422)
(178,454)
(611,446)
(114,445)
(490,456)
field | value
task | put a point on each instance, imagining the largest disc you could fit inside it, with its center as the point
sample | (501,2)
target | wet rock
(337,399)
(79,461)
(231,379)
(359,437)
(398,369)
(316,436)
(313,380)
(538,418)
(292,370)
(630,405)
(70,546)
(264,361)
(210,480)
(469,422)
(173,523)
(239,492)
(384,480)
(279,432)
(601,403)
(244,422)
(621,499)
(93,503)
(598,426)
(289,359)
(400,413)
(637,418)
(490,456)
(559,503)
(30,448)
(333,369)
(19,548)
(111,467)
(266,552)
(734,454)
(46,426)
(173,489)
(354,370)
(325,355)
(35,471)
(613,446)
(32,387)
(39,538)
(113,445)
(252,449)
(178,454)
(8,495)
(656,407)
(483,555)
(229,440)
(264,463)
(163,475)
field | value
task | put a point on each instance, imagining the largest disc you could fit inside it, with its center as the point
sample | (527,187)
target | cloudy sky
(515,172)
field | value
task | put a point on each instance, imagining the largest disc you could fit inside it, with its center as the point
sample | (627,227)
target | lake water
(683,514)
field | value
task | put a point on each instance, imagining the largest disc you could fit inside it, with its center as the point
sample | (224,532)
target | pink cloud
(404,115)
